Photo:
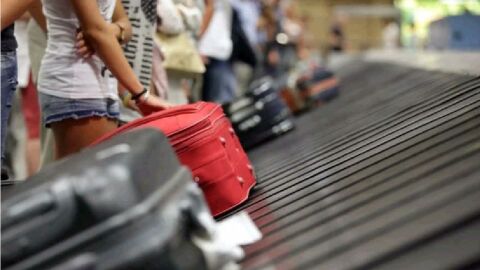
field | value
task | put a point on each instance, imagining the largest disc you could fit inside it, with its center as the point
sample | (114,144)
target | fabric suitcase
(318,87)
(260,114)
(206,143)
(119,205)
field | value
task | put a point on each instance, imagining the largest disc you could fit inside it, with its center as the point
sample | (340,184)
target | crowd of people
(87,66)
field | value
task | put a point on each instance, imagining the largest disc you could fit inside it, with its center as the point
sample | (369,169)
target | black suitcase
(124,204)
(319,86)
(260,114)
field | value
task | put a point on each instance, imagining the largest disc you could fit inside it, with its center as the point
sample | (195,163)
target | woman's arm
(120,27)
(12,10)
(120,21)
(36,10)
(207,17)
(97,33)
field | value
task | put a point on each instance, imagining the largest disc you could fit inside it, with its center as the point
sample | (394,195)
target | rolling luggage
(260,114)
(318,86)
(206,143)
(124,204)
(290,94)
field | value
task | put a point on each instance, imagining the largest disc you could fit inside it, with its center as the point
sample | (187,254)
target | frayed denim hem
(80,115)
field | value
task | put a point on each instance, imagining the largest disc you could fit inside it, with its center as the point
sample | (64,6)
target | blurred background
(412,24)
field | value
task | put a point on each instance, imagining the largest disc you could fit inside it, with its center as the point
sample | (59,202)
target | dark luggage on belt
(114,206)
(318,87)
(260,114)
(291,96)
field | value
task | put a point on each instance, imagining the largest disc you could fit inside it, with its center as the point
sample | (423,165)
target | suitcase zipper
(161,115)
(193,143)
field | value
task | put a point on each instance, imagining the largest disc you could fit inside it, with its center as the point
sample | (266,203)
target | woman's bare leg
(73,135)
(33,150)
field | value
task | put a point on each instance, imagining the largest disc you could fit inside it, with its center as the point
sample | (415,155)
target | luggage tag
(223,249)
(239,229)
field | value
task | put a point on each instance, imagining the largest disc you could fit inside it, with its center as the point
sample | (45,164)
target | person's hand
(130,104)
(205,59)
(152,104)
(84,49)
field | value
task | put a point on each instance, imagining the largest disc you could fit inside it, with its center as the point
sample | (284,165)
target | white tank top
(63,72)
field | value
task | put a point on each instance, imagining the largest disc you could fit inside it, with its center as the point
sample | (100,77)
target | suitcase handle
(192,108)
(174,112)
(24,211)
(85,261)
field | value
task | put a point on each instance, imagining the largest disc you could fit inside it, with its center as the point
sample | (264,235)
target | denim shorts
(55,109)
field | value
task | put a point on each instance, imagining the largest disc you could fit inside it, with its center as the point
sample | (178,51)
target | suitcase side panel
(221,168)
(158,228)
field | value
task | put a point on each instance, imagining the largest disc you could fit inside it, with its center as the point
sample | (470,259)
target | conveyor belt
(387,176)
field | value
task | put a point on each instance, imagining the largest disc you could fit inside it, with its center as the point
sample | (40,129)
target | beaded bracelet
(126,97)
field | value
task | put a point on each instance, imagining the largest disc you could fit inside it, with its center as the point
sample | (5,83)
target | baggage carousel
(387,176)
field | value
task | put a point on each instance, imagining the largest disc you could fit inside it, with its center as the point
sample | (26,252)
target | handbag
(180,53)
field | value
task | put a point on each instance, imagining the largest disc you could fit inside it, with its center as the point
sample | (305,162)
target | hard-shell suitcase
(318,86)
(79,192)
(124,204)
(260,114)
(205,142)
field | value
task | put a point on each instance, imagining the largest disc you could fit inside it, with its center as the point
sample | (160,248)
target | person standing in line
(391,35)
(337,36)
(215,46)
(248,14)
(177,17)
(11,10)
(77,100)
(29,100)
(140,50)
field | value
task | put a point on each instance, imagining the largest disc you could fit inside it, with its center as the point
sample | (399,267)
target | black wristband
(137,96)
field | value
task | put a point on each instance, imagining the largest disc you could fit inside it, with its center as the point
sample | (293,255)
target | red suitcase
(205,142)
